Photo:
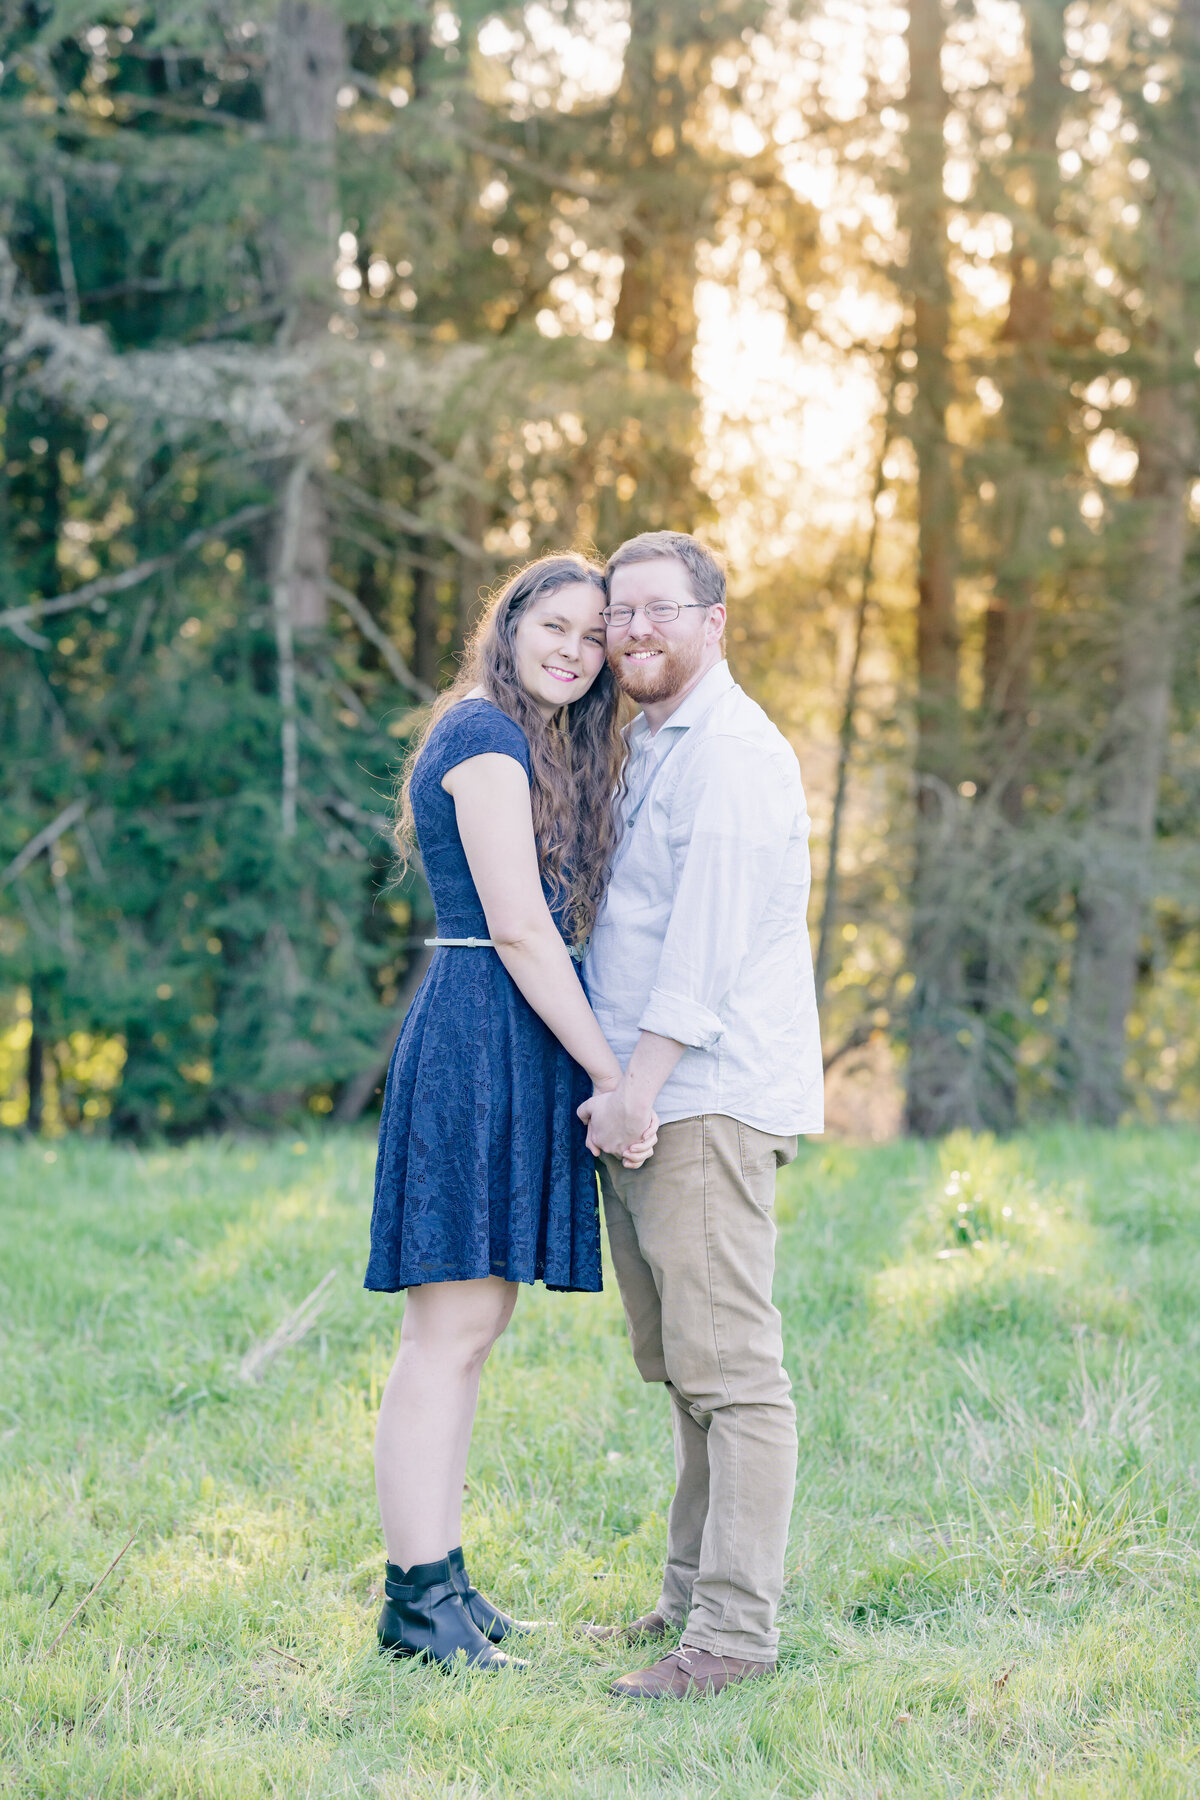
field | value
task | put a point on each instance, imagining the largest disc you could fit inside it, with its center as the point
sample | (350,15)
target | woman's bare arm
(495,823)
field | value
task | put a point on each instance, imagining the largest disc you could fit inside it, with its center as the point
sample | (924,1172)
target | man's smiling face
(654,661)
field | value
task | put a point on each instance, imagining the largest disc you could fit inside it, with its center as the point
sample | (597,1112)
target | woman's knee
(495,1309)
(505,1307)
(492,1328)
(463,1349)
(457,1329)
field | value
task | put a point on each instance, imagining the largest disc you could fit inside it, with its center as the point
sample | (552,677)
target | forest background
(316,319)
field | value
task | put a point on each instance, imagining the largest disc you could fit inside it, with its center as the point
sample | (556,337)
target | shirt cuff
(672,1016)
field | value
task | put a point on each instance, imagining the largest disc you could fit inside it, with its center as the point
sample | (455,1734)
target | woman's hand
(643,1149)
(615,1119)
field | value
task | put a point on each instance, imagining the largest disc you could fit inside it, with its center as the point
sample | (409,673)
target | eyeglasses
(658,612)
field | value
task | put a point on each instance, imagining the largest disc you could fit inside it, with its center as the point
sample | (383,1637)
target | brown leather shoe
(650,1625)
(687,1671)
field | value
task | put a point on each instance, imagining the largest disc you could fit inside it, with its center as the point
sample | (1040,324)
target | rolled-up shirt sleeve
(734,814)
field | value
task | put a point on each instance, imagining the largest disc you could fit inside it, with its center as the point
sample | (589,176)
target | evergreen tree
(316,321)
(938,1069)
(1153,532)
(235,494)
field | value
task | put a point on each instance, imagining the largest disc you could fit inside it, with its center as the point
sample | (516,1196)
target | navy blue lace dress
(483,1166)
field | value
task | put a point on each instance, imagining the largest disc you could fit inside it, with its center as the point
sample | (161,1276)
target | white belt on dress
(459,944)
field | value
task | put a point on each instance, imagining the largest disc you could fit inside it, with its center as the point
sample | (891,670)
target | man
(700,974)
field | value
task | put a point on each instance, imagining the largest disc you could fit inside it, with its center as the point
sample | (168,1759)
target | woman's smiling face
(560,644)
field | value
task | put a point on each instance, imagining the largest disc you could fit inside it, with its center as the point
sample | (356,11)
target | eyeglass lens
(659,612)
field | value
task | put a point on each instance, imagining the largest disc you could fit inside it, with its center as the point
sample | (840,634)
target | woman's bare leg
(428,1409)
(462,1450)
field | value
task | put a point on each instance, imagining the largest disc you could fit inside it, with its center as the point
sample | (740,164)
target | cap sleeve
(477,728)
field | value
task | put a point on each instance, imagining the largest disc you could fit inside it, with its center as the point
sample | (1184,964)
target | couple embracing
(622,973)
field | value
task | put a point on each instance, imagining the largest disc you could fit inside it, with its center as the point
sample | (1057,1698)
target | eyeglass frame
(645,605)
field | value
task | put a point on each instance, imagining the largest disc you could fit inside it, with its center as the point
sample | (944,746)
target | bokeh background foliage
(315,319)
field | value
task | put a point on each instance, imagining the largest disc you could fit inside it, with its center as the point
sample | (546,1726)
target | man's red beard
(660,678)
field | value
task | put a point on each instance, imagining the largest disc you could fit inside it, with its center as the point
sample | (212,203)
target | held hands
(643,1149)
(620,1125)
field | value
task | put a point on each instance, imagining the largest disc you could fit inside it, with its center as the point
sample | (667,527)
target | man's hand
(620,1115)
(616,1121)
(643,1149)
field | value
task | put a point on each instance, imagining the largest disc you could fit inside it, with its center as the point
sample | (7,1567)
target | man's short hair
(704,571)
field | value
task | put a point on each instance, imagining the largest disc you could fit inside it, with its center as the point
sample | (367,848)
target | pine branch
(48,835)
(32,638)
(238,321)
(345,809)
(117,584)
(537,171)
(119,290)
(62,241)
(188,115)
(334,764)
(382,642)
(396,553)
(334,833)
(391,514)
(860,1035)
(404,440)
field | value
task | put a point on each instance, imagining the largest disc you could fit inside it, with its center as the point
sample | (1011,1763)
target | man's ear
(714,624)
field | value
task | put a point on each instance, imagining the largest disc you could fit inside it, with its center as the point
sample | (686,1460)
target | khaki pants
(693,1243)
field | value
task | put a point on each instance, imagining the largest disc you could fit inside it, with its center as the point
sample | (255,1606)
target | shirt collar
(705,693)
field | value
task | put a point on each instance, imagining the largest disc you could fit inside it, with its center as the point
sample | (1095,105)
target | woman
(484,1179)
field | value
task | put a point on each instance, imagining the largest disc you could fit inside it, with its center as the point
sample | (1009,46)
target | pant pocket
(758,1160)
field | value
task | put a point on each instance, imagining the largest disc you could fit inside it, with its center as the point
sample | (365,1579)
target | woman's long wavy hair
(576,757)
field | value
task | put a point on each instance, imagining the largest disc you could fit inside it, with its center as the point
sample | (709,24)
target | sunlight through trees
(315,320)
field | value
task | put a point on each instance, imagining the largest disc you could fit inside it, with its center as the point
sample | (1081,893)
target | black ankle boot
(493,1623)
(424,1616)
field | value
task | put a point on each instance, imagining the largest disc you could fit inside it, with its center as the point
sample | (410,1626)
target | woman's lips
(560,674)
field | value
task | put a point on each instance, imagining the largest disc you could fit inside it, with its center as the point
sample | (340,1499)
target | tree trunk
(306,65)
(290,529)
(1110,900)
(656,311)
(473,572)
(1029,476)
(35,1062)
(1032,408)
(829,905)
(1111,894)
(427,652)
(939,1065)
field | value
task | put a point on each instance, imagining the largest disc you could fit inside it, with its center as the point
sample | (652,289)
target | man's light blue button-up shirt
(702,935)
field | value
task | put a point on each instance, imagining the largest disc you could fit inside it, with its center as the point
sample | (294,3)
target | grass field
(994,1586)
